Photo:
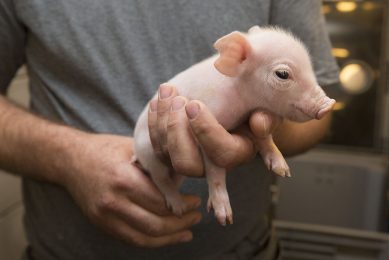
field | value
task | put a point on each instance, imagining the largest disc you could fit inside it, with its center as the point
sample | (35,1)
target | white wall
(12,237)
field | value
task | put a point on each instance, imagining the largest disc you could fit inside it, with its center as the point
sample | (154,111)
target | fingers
(140,189)
(120,228)
(153,129)
(153,224)
(166,94)
(158,115)
(170,134)
(125,212)
(183,150)
(225,149)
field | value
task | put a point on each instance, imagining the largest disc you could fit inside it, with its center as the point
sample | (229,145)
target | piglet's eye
(282,74)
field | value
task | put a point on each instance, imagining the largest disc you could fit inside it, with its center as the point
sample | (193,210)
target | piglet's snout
(325,108)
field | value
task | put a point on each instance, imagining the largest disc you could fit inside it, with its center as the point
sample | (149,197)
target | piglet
(267,68)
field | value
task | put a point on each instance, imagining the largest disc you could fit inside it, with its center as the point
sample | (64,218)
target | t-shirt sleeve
(12,42)
(305,20)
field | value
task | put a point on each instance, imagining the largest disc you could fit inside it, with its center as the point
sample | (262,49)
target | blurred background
(12,237)
(337,205)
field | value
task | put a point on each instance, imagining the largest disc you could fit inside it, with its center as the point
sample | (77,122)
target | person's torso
(94,64)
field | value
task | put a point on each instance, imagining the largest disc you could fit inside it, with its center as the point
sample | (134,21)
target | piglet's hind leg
(218,197)
(168,184)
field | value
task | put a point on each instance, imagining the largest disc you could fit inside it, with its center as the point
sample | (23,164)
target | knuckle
(155,229)
(94,215)
(163,108)
(161,209)
(120,181)
(225,159)
(172,124)
(187,167)
(235,153)
(106,202)
(119,177)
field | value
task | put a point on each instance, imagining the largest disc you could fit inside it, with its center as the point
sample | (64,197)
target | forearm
(293,138)
(34,147)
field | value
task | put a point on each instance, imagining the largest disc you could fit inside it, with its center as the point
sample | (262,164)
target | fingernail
(192,110)
(266,122)
(178,103)
(165,91)
(153,105)
(186,238)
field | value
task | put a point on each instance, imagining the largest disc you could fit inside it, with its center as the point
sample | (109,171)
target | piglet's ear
(233,49)
(254,29)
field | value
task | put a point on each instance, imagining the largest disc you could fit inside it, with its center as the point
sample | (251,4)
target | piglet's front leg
(218,196)
(272,156)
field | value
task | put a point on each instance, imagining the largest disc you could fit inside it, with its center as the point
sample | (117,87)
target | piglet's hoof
(176,204)
(220,203)
(276,163)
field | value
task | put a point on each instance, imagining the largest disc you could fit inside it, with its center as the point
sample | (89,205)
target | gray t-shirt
(94,64)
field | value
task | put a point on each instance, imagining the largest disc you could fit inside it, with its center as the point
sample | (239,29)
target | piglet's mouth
(325,108)
(303,111)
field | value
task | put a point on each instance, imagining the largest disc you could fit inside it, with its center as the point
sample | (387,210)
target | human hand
(116,196)
(176,125)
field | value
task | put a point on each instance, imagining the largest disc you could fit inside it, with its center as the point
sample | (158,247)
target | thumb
(263,123)
(223,148)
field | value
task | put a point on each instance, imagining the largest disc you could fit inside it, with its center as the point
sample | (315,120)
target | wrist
(35,147)
(88,153)
(72,147)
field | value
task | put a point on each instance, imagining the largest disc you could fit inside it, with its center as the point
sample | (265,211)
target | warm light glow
(346,6)
(356,78)
(339,106)
(325,9)
(368,6)
(340,52)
